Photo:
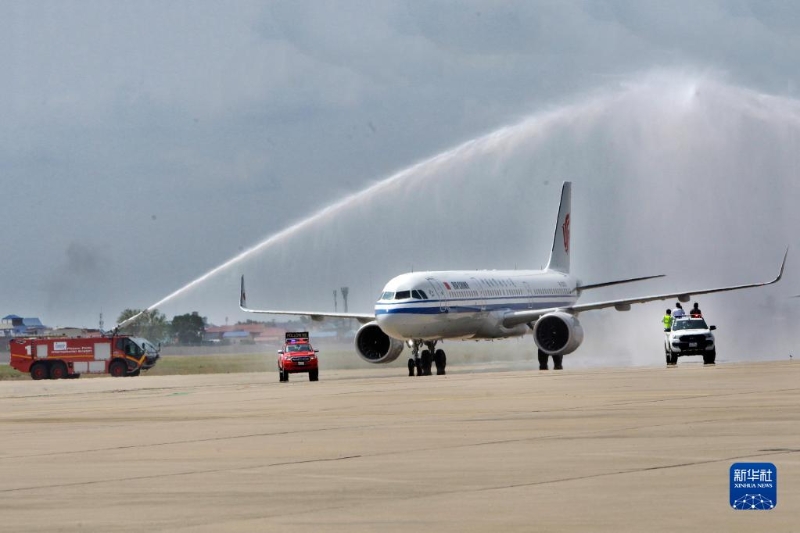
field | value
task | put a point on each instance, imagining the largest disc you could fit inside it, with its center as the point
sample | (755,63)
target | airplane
(421,309)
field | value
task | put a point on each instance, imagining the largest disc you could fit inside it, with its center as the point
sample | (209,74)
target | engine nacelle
(558,333)
(375,346)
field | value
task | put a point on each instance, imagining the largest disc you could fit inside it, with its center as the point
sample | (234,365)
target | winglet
(780,272)
(242,298)
(783,265)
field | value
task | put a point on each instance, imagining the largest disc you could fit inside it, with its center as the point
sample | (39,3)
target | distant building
(16,326)
(238,333)
(74,332)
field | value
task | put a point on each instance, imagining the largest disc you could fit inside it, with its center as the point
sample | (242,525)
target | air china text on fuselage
(419,309)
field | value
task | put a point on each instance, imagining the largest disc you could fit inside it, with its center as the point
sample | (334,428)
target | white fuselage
(468,304)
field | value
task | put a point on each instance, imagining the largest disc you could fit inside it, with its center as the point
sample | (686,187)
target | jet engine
(558,333)
(375,346)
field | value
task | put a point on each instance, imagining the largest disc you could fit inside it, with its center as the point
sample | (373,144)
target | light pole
(335,303)
(345,290)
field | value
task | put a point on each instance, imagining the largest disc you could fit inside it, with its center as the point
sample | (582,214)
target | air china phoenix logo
(565,231)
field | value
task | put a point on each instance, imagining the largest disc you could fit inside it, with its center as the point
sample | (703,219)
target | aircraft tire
(440,359)
(542,360)
(411,366)
(426,362)
(557,362)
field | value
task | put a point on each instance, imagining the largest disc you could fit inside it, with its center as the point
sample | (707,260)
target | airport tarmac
(634,449)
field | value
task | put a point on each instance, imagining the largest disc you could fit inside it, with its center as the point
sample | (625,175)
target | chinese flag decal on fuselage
(565,231)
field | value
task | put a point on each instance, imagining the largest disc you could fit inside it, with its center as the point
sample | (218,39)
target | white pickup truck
(690,336)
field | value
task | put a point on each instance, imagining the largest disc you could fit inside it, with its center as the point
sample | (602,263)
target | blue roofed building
(17,326)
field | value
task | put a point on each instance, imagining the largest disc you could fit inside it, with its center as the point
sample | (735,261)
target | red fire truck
(69,357)
(297,356)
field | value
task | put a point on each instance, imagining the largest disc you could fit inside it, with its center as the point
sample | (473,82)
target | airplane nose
(388,322)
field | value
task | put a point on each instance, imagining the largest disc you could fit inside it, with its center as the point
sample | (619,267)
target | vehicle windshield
(694,323)
(298,348)
(145,344)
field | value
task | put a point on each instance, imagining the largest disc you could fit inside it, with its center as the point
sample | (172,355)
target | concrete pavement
(635,449)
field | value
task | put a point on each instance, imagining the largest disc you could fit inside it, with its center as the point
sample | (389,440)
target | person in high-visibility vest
(667,320)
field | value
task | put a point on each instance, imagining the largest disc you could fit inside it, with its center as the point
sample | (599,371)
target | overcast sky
(145,143)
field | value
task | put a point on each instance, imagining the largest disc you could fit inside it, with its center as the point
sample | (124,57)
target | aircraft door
(529,291)
(438,290)
(478,288)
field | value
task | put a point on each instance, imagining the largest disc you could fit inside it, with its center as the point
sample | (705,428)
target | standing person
(695,311)
(667,320)
(678,312)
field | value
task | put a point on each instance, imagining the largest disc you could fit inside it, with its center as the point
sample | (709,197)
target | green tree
(189,328)
(150,324)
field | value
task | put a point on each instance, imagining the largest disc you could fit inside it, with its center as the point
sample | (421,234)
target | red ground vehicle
(67,357)
(298,356)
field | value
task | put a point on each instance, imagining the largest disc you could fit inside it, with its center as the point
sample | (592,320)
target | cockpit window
(402,295)
(415,295)
(424,296)
(387,295)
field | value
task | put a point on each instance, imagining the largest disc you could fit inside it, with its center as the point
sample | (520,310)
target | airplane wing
(515,318)
(314,315)
(617,282)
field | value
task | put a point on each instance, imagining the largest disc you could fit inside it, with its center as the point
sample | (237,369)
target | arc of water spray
(476,146)
(470,148)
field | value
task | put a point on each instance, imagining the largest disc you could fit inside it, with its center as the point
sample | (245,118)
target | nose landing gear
(422,362)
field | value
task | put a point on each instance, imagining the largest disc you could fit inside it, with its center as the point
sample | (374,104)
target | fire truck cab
(69,357)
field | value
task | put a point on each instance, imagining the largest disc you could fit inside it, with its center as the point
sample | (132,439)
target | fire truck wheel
(58,370)
(39,371)
(118,369)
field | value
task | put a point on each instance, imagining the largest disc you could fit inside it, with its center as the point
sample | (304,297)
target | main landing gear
(557,360)
(430,356)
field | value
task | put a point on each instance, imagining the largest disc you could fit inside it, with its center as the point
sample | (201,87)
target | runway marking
(516,416)
(178,474)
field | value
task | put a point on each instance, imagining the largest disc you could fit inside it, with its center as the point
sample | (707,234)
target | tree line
(154,326)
